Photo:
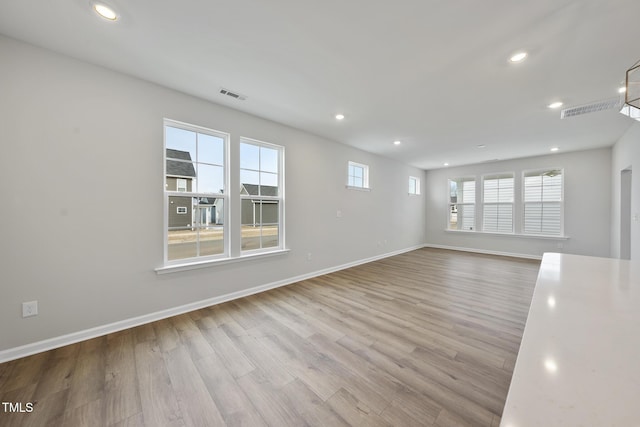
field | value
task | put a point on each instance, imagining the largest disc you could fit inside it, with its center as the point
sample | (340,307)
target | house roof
(252,190)
(176,168)
(206,201)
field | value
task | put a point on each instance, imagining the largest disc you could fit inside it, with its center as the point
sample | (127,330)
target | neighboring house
(180,176)
(251,207)
(211,210)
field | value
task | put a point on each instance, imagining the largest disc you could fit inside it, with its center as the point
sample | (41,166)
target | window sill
(350,187)
(210,263)
(527,236)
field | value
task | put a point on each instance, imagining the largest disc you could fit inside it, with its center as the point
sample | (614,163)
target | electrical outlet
(29,308)
(560,246)
(309,256)
(339,214)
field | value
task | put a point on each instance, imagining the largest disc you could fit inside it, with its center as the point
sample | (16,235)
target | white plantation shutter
(498,218)
(467,211)
(498,204)
(467,194)
(462,215)
(543,203)
(467,216)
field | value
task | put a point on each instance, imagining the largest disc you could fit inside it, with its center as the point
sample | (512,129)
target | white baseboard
(483,251)
(74,337)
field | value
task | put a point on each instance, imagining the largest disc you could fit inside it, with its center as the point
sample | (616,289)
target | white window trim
(178,182)
(232,227)
(351,187)
(518,207)
(224,196)
(417,185)
(280,199)
(491,233)
(365,176)
(449,204)
(179,208)
(174,268)
(522,219)
(512,203)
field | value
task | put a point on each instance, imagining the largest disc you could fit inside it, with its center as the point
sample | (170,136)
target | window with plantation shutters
(543,202)
(497,206)
(462,204)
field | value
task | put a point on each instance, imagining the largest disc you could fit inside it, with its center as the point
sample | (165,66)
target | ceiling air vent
(232,94)
(606,104)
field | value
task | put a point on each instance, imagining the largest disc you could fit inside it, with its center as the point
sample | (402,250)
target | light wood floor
(425,338)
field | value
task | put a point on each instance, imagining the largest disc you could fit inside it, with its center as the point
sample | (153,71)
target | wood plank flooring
(427,338)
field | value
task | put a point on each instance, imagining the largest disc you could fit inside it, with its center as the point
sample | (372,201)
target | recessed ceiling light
(518,57)
(396,142)
(622,89)
(446,164)
(551,365)
(105,12)
(554,149)
(555,105)
(339,116)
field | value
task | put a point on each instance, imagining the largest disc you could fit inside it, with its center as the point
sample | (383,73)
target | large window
(199,203)
(261,193)
(542,198)
(497,208)
(358,175)
(195,196)
(541,209)
(462,207)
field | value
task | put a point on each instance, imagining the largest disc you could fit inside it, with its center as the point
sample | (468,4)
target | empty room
(282,213)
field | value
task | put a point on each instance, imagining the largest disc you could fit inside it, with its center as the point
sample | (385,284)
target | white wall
(81,228)
(587,181)
(625,154)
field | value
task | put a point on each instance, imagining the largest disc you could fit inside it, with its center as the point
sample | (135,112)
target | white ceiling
(433,73)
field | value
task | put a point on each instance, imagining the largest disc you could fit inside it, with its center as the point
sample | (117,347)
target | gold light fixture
(632,85)
(631,106)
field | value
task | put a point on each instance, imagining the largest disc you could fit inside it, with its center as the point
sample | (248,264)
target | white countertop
(579,360)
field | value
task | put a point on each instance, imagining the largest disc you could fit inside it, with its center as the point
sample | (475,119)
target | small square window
(358,175)
(414,185)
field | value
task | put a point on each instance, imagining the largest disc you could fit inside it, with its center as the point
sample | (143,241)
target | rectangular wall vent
(606,104)
(232,94)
